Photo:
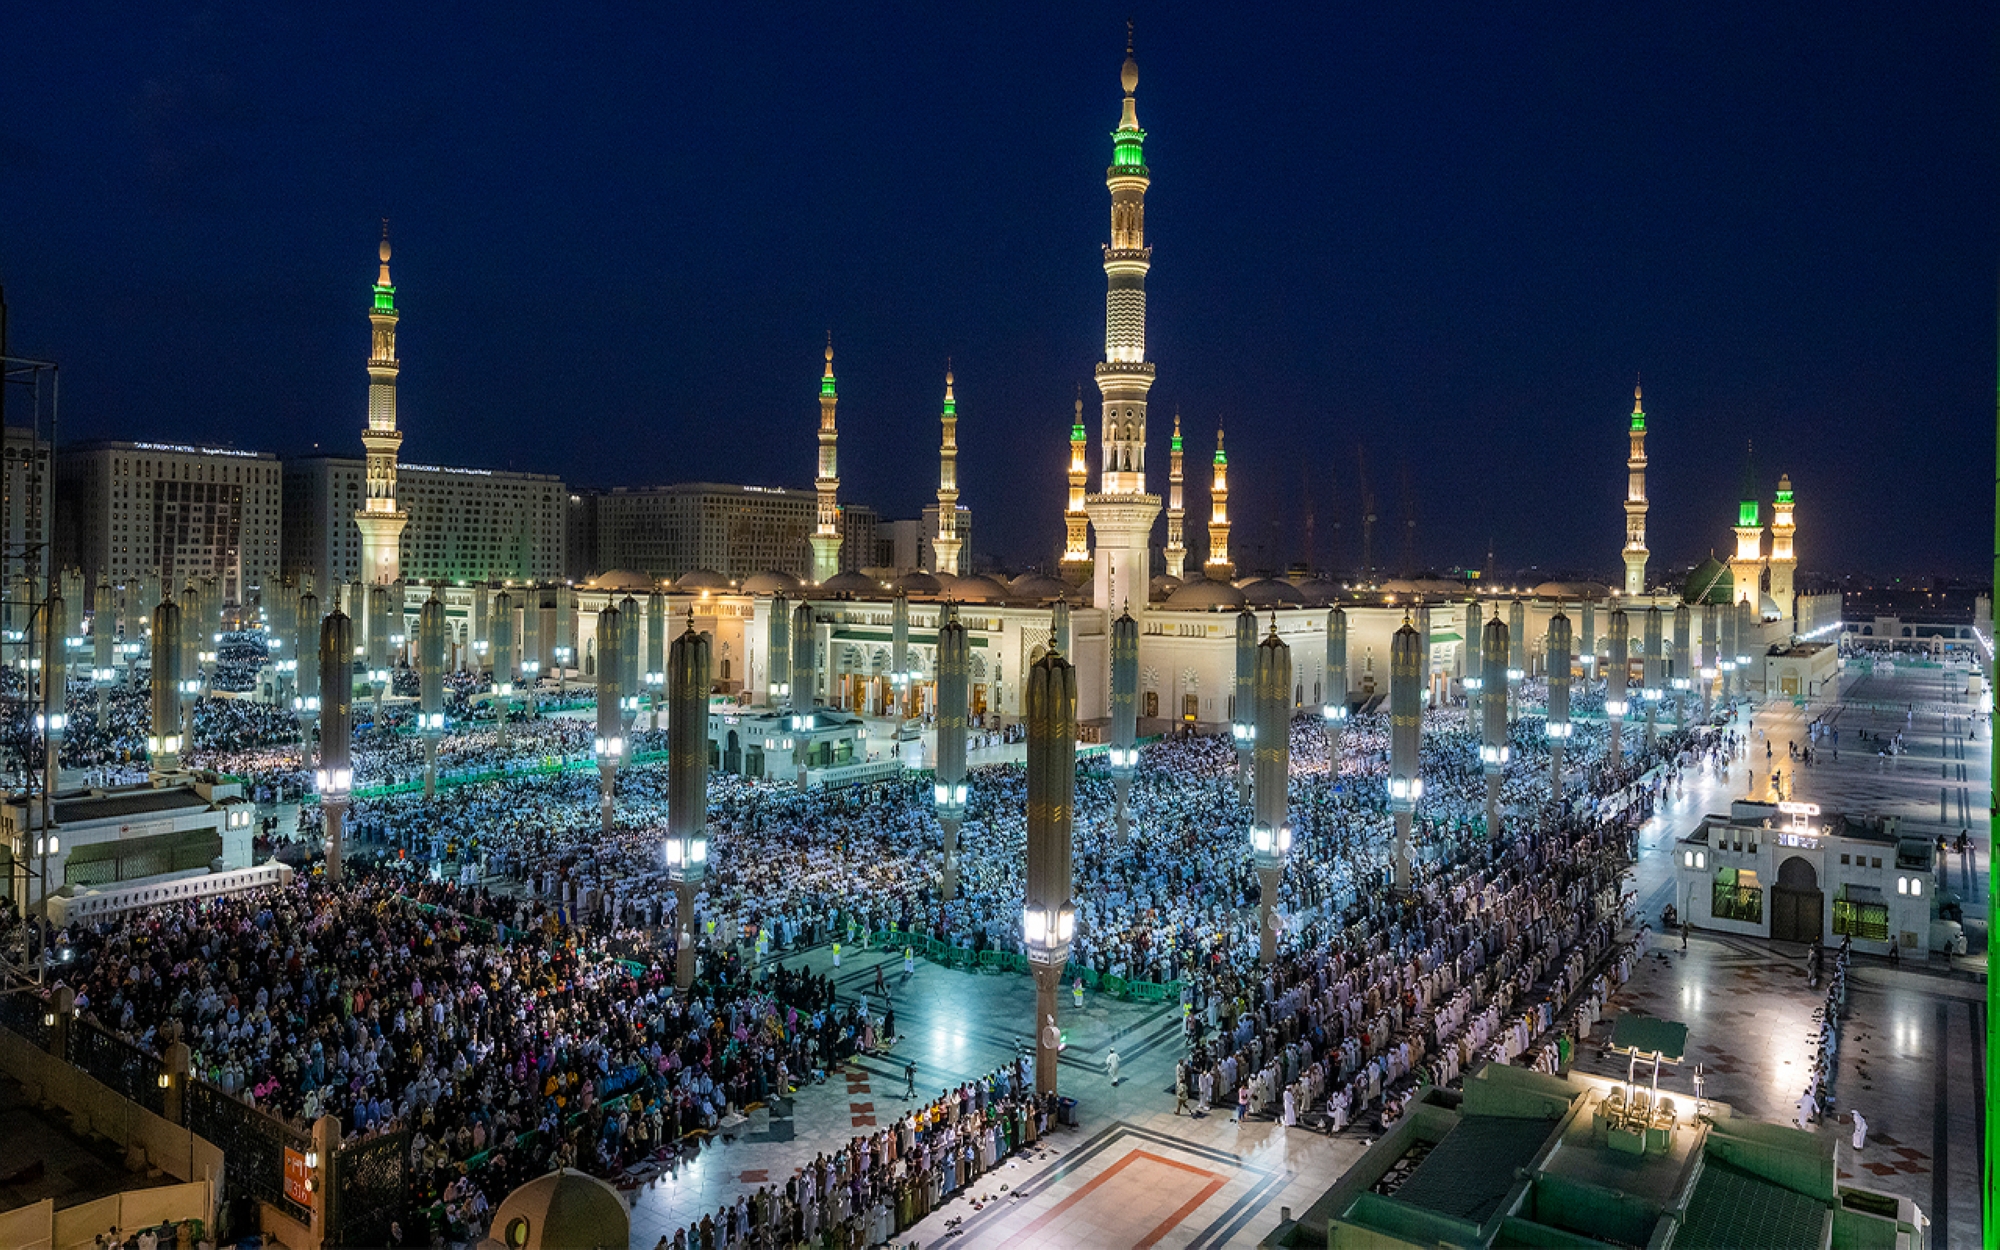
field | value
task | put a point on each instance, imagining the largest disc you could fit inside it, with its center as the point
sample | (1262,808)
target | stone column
(336,736)
(1124,750)
(1048,918)
(1406,727)
(1271,828)
(954,693)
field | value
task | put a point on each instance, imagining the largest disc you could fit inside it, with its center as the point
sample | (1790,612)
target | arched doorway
(732,758)
(1797,904)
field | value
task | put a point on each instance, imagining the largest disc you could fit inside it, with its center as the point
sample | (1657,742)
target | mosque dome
(702,579)
(1768,609)
(917,583)
(771,582)
(1272,593)
(622,579)
(1439,586)
(852,582)
(1162,585)
(1318,591)
(1591,591)
(1400,586)
(1037,587)
(1203,595)
(1710,582)
(565,1210)
(977,589)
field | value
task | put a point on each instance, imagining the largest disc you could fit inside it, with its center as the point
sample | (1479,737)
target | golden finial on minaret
(383,278)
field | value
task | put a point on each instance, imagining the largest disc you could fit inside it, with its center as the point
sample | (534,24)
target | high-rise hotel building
(126,509)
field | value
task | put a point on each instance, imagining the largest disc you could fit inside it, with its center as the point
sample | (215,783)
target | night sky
(1441,238)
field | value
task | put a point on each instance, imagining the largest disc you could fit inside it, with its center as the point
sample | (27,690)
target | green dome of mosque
(1710,582)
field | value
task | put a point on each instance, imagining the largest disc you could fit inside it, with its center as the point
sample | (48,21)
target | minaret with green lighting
(826,533)
(1784,561)
(946,544)
(1076,522)
(1176,552)
(1747,566)
(380,521)
(1635,503)
(1220,568)
(1121,512)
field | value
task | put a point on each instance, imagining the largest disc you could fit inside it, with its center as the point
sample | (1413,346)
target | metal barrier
(253,1146)
(91,905)
(25,1012)
(371,1187)
(118,1064)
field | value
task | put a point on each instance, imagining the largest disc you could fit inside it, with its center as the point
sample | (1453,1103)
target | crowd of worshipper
(532,1024)
(393,1005)
(884,1182)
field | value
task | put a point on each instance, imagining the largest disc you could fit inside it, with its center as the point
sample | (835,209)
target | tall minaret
(1176,552)
(1076,523)
(380,522)
(1747,566)
(1635,503)
(1783,562)
(945,545)
(826,535)
(1219,567)
(1122,513)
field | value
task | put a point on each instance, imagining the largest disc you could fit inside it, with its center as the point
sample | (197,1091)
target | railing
(253,1145)
(118,1064)
(23,1012)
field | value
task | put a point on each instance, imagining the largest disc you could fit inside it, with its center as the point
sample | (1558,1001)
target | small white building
(1792,873)
(179,825)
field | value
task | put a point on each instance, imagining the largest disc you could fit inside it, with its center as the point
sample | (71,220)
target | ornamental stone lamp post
(1517,656)
(163,745)
(54,717)
(1493,750)
(1474,676)
(1271,827)
(565,640)
(1653,686)
(1335,710)
(378,645)
(1617,676)
(778,655)
(656,654)
(482,629)
(1558,723)
(627,654)
(611,707)
(190,653)
(954,691)
(805,685)
(1746,636)
(1243,717)
(531,647)
(1124,749)
(1048,916)
(430,686)
(1406,727)
(335,776)
(1709,660)
(1682,677)
(687,788)
(305,699)
(104,650)
(502,627)
(899,658)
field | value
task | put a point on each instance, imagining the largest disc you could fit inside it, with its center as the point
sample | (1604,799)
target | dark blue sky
(1446,234)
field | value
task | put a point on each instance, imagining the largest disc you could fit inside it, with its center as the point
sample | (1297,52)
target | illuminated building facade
(127,509)
(457,524)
